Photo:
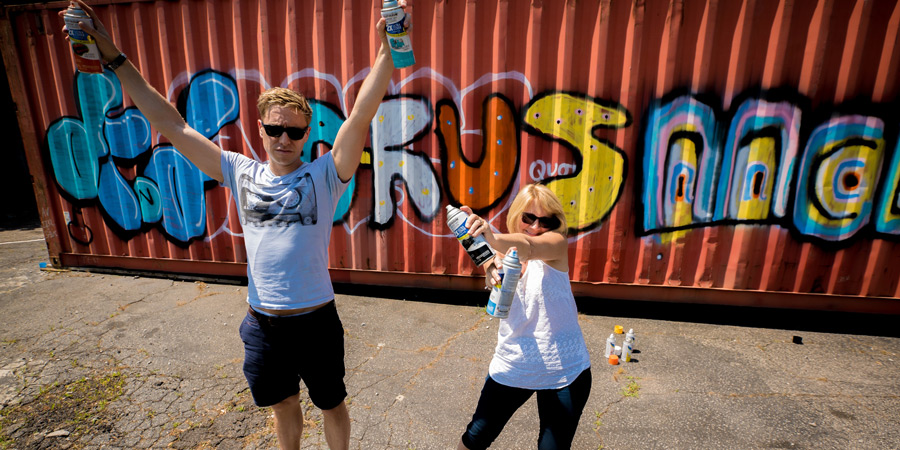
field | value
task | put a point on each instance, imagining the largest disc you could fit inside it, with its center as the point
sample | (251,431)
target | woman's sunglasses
(294,133)
(550,223)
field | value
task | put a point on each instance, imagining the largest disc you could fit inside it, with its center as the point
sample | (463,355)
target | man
(292,330)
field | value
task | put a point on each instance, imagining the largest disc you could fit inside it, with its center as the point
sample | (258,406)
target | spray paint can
(610,346)
(398,37)
(477,248)
(502,294)
(87,56)
(627,348)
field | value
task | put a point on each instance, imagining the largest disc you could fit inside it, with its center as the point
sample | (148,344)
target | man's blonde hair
(543,197)
(279,96)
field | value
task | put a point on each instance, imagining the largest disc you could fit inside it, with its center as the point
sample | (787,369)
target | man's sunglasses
(294,133)
(550,223)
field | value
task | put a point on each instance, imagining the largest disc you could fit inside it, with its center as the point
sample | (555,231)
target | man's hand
(108,50)
(381,26)
(162,115)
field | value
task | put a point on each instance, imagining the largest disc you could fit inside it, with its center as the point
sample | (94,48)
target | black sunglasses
(294,133)
(550,223)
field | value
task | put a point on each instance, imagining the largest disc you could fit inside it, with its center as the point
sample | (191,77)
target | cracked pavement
(702,377)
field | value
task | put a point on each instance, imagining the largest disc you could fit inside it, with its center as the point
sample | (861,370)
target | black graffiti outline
(90,233)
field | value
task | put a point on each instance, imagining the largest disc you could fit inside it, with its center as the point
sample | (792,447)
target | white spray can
(502,294)
(477,248)
(627,347)
(398,37)
(610,346)
(87,55)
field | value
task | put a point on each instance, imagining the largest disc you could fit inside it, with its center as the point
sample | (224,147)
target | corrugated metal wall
(736,152)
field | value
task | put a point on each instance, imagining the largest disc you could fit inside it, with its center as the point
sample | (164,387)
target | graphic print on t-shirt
(279,205)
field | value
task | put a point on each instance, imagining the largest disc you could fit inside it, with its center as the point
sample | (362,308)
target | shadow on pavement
(746,316)
(19,222)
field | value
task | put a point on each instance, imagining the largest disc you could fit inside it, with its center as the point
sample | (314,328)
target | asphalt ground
(107,361)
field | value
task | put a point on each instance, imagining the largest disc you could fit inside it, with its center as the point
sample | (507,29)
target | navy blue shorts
(558,409)
(281,351)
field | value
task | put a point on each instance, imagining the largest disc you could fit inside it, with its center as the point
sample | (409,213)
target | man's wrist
(116,62)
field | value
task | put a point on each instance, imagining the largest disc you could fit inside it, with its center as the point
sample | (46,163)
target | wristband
(114,64)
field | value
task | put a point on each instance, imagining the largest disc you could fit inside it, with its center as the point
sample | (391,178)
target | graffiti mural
(827,193)
(398,122)
(762,139)
(699,166)
(837,177)
(86,154)
(887,215)
(482,183)
(681,158)
(589,193)
(327,120)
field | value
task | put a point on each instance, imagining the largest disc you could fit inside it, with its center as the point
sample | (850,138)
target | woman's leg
(560,410)
(495,407)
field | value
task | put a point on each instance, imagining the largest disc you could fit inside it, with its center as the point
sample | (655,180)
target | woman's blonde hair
(543,197)
(279,96)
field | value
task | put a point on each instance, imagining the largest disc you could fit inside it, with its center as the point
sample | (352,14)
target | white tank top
(540,345)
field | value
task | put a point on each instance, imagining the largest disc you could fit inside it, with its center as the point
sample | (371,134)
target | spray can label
(627,349)
(87,56)
(398,37)
(477,248)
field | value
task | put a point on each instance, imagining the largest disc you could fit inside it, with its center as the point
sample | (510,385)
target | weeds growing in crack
(78,407)
(632,388)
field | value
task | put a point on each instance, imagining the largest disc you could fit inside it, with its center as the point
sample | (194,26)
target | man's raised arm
(162,115)
(348,145)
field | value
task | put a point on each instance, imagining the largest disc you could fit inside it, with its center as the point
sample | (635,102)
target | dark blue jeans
(559,410)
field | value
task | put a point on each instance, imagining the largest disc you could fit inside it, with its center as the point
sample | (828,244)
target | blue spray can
(398,38)
(503,293)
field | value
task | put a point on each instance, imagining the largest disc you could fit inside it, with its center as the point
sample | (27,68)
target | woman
(540,347)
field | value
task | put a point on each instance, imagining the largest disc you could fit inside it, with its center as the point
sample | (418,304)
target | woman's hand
(476,225)
(492,272)
(108,50)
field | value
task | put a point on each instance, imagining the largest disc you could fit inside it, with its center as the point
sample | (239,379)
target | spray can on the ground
(87,56)
(502,294)
(627,347)
(610,346)
(398,37)
(477,248)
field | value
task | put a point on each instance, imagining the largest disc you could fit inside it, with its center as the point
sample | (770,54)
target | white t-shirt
(540,345)
(287,224)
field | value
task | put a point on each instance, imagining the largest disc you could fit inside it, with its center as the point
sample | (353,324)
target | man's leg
(337,427)
(289,422)
(271,376)
(323,373)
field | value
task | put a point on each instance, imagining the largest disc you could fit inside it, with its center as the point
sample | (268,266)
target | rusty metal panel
(738,152)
